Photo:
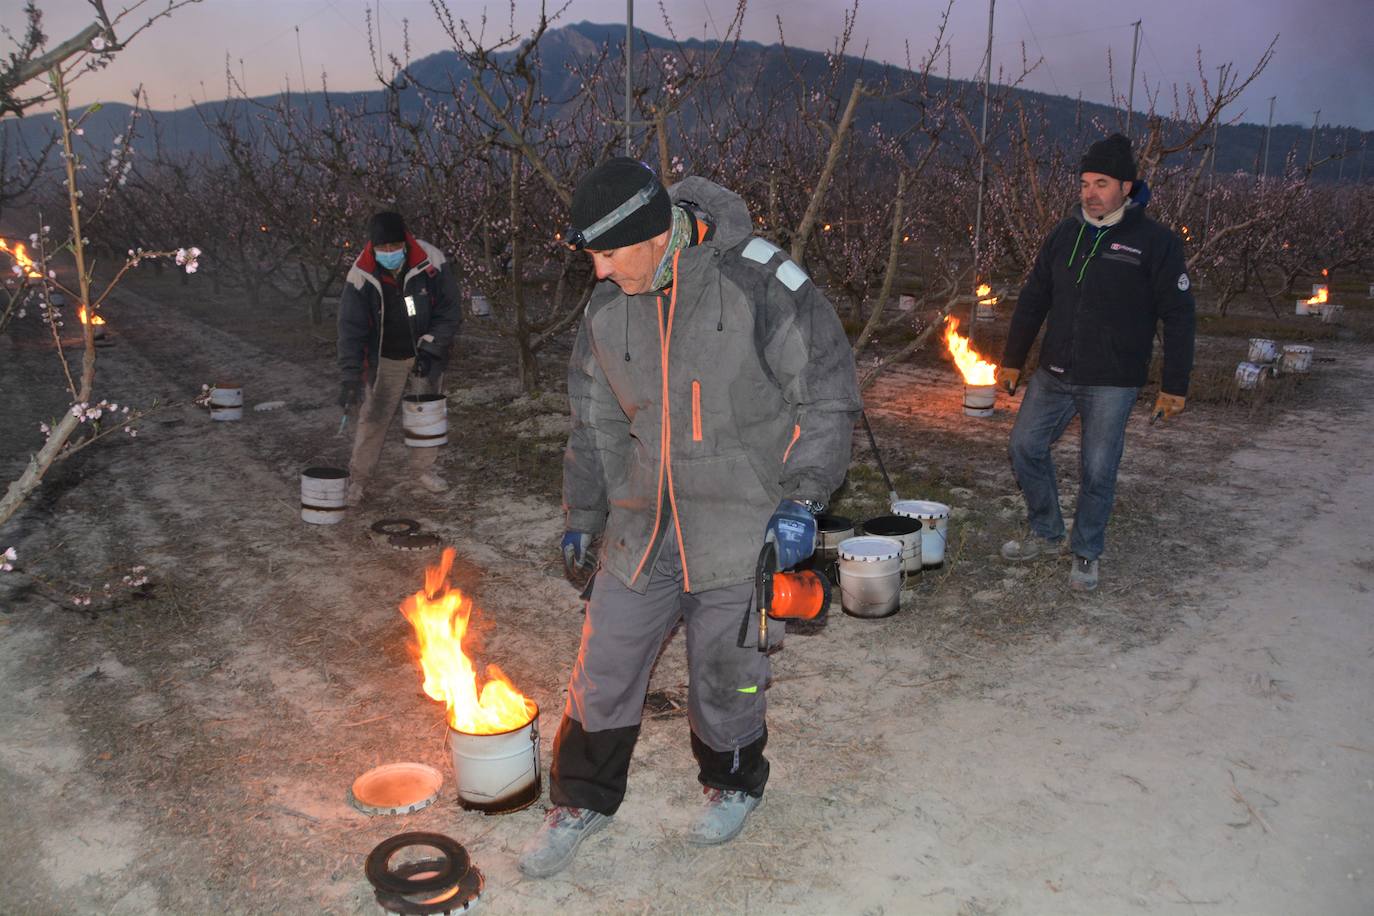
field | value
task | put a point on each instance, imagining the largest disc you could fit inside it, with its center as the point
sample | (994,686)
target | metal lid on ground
(396,788)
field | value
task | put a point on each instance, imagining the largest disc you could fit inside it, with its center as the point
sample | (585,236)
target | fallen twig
(1254,812)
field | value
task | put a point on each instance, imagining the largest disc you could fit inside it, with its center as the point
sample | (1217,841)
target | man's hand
(1167,405)
(793,530)
(576,556)
(350,393)
(1007,378)
(428,356)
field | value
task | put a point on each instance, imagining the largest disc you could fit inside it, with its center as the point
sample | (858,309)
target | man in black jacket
(397,319)
(1104,279)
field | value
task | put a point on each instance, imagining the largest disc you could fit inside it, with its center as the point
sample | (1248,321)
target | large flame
(440,617)
(95,319)
(21,257)
(1320,298)
(974,369)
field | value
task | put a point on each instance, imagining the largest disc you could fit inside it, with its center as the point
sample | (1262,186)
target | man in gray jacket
(397,319)
(713,397)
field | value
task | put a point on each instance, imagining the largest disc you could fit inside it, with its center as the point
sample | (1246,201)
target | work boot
(551,849)
(1030,547)
(354,496)
(432,482)
(1084,575)
(722,817)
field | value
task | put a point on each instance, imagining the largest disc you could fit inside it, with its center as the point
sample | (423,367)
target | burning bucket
(1262,351)
(226,402)
(900,528)
(979,400)
(1248,375)
(1297,358)
(481,306)
(323,494)
(424,417)
(934,518)
(870,576)
(1331,312)
(499,773)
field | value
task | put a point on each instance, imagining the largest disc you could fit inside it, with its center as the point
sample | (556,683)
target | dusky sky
(1324,58)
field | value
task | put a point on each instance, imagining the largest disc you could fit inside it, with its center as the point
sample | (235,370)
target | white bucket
(498,773)
(481,306)
(908,303)
(900,528)
(1303,308)
(323,495)
(1262,350)
(934,526)
(226,402)
(1248,375)
(1296,358)
(1371,291)
(424,417)
(979,400)
(984,312)
(870,576)
(1330,312)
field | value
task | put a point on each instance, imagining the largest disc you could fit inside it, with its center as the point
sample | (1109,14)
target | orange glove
(1168,405)
(1007,378)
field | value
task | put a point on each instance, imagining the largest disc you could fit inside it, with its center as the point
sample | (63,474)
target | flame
(983,297)
(440,616)
(21,257)
(95,319)
(1320,298)
(983,289)
(974,369)
(1323,271)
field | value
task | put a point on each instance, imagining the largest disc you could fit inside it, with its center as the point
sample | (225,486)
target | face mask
(391,259)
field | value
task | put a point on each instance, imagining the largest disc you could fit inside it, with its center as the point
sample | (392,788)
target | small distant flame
(1323,271)
(972,366)
(95,320)
(440,616)
(984,289)
(1320,298)
(22,259)
(983,297)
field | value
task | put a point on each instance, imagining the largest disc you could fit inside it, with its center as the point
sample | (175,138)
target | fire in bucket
(980,376)
(493,732)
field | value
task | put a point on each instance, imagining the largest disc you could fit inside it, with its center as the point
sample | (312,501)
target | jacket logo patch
(1117,246)
(1183,283)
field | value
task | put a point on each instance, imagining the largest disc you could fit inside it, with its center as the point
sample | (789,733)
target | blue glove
(793,529)
(575,558)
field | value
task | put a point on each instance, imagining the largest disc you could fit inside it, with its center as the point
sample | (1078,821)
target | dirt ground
(1192,738)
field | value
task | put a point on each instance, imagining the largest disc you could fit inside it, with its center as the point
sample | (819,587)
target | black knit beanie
(611,184)
(1111,156)
(386,228)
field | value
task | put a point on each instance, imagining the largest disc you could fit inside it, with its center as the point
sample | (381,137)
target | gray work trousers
(621,638)
(379,409)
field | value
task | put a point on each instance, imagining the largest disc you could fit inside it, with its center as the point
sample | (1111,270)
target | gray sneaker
(551,849)
(722,817)
(1030,547)
(1084,575)
(432,482)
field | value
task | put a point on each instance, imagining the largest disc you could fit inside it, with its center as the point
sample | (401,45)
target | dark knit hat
(386,228)
(1111,156)
(623,184)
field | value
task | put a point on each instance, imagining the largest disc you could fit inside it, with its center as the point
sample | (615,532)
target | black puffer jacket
(1102,327)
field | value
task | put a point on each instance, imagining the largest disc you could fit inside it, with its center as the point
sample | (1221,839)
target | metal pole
(1267,128)
(1363,144)
(1312,147)
(1130,93)
(629,67)
(1345,146)
(982,174)
(1212,178)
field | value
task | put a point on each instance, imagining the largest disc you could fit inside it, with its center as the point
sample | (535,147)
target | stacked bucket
(870,569)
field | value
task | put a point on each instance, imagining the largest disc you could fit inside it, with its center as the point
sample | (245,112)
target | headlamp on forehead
(578,239)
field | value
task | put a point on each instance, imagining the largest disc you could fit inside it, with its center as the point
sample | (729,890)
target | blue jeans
(1046,409)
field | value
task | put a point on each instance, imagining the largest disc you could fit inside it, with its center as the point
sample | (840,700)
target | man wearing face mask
(713,397)
(398,316)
